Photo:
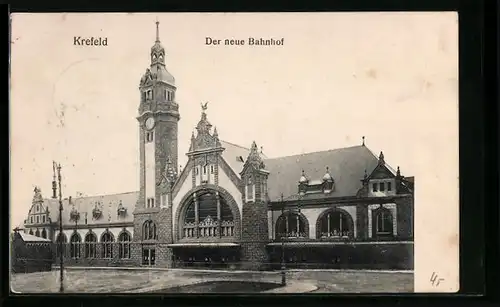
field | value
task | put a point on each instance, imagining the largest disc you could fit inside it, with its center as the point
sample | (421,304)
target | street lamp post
(283,266)
(283,236)
(61,252)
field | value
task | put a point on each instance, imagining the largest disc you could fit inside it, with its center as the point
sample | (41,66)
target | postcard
(234,152)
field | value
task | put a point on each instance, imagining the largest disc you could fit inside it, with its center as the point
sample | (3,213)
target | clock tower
(158,121)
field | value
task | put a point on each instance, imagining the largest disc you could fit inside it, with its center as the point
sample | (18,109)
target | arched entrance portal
(207,230)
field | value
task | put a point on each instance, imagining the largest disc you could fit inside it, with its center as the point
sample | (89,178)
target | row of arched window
(89,245)
(331,224)
(37,233)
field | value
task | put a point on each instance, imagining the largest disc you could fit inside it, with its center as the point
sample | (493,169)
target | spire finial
(363,141)
(261,149)
(381,158)
(157,30)
(398,172)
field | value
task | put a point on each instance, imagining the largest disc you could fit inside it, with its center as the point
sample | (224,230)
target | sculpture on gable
(204,138)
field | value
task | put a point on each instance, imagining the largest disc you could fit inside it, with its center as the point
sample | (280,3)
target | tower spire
(157,30)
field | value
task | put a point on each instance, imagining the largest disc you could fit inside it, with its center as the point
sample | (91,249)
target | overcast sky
(391,77)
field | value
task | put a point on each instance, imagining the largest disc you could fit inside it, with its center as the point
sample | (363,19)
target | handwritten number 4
(435,280)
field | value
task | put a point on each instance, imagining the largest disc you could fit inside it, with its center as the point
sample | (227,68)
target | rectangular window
(196,171)
(149,137)
(37,219)
(37,208)
(211,169)
(250,191)
(382,187)
(165,94)
(43,219)
(204,169)
(375,187)
(389,186)
(31,219)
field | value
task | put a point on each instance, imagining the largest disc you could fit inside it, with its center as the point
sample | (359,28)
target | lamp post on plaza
(283,266)
(61,252)
(283,236)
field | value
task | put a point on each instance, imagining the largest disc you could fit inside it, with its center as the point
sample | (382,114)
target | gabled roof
(84,205)
(346,165)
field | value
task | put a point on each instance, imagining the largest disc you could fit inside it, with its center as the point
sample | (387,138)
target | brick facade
(254,224)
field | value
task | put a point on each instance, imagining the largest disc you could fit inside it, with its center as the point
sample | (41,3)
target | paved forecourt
(141,280)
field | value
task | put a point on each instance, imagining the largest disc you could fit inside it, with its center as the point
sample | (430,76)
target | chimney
(54,184)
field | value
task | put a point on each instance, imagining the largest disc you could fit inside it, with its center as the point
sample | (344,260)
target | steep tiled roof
(85,205)
(346,165)
(235,156)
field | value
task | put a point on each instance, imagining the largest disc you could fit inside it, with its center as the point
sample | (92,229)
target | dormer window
(211,169)
(389,186)
(204,169)
(375,187)
(96,212)
(122,211)
(382,186)
(149,94)
(250,190)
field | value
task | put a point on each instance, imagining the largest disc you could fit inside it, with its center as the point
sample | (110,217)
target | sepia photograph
(234,153)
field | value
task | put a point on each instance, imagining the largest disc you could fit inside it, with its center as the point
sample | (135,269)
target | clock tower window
(149,137)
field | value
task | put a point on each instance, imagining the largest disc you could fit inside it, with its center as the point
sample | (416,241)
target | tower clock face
(150,123)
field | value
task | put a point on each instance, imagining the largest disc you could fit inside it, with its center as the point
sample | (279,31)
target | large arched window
(149,230)
(124,245)
(291,225)
(90,245)
(201,216)
(107,240)
(61,238)
(44,234)
(383,221)
(75,245)
(335,224)
(37,233)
